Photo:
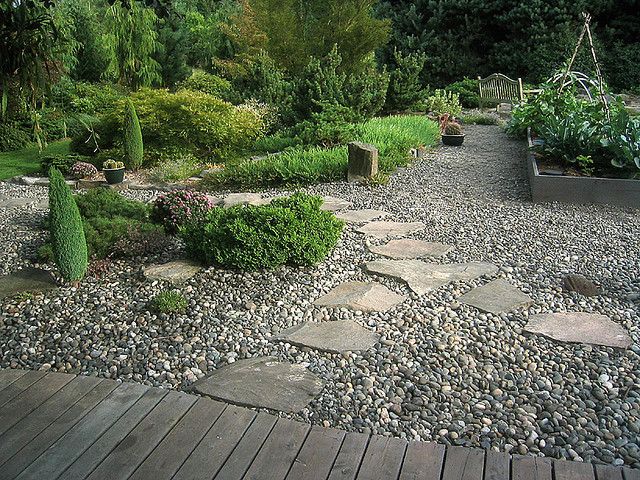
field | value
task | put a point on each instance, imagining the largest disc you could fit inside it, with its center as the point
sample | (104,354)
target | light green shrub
(201,81)
(67,234)
(443,101)
(291,231)
(133,147)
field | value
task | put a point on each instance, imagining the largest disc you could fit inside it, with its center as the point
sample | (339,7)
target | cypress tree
(67,233)
(133,148)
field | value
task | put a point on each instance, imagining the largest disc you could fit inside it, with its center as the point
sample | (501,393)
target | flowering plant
(83,170)
(178,207)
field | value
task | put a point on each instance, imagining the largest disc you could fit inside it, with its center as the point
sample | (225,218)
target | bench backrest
(500,88)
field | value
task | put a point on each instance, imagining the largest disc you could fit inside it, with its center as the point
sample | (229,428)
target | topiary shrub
(133,148)
(67,234)
(176,208)
(292,231)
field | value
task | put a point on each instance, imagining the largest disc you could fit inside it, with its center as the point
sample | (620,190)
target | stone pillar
(363,162)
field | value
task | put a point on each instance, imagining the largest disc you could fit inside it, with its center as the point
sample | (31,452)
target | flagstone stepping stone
(333,336)
(366,297)
(333,203)
(580,284)
(242,199)
(26,280)
(410,248)
(7,202)
(178,271)
(578,327)
(262,382)
(423,277)
(496,297)
(361,216)
(382,229)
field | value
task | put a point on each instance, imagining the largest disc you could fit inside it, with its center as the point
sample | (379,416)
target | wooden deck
(54,425)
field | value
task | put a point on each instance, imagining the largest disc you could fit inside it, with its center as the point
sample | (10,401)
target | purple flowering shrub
(176,208)
(83,170)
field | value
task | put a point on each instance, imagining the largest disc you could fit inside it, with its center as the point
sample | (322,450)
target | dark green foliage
(67,235)
(208,83)
(332,125)
(109,218)
(289,231)
(81,97)
(520,39)
(173,40)
(405,86)
(468,92)
(168,302)
(13,136)
(62,162)
(133,148)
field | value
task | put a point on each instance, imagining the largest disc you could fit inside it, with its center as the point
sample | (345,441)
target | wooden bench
(498,88)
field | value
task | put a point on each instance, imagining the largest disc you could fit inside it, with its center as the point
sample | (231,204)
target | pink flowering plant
(179,207)
(83,170)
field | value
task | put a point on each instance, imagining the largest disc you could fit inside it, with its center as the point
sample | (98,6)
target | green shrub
(275,143)
(444,102)
(70,96)
(292,231)
(174,169)
(191,121)
(479,118)
(62,162)
(405,87)
(468,92)
(169,301)
(332,125)
(208,83)
(67,235)
(13,136)
(133,147)
(178,207)
(104,202)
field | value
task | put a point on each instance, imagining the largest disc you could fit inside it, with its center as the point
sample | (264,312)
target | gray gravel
(442,370)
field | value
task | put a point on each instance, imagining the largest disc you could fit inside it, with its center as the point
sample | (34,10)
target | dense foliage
(168,302)
(289,231)
(577,132)
(67,235)
(133,146)
(521,39)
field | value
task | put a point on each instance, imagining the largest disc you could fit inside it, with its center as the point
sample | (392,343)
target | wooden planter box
(566,189)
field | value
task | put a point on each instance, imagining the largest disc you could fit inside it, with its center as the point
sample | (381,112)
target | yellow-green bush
(189,120)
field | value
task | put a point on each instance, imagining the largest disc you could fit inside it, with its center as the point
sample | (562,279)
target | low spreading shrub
(442,102)
(201,81)
(62,162)
(468,92)
(192,121)
(478,118)
(174,168)
(83,170)
(289,231)
(67,235)
(168,302)
(176,208)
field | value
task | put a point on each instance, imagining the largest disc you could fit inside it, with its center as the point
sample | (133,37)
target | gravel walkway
(441,370)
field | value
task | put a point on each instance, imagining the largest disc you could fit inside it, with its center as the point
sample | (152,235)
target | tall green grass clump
(393,136)
(67,233)
(133,147)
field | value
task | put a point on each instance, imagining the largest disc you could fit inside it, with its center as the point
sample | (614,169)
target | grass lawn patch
(27,160)
(393,136)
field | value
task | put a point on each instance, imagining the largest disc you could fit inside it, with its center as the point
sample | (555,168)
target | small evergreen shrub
(405,87)
(176,208)
(62,162)
(67,234)
(201,81)
(169,301)
(289,231)
(468,92)
(133,148)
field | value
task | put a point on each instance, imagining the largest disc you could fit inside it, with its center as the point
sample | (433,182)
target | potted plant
(113,172)
(451,131)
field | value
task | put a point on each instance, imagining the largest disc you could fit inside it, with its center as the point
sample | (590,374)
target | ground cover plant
(168,302)
(393,136)
(288,231)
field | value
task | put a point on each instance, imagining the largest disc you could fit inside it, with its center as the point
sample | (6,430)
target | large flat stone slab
(366,297)
(496,297)
(423,277)
(382,229)
(234,199)
(335,336)
(361,216)
(262,382)
(404,248)
(178,271)
(333,204)
(26,280)
(580,327)
(8,202)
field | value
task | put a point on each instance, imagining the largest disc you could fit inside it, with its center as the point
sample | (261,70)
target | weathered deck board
(73,428)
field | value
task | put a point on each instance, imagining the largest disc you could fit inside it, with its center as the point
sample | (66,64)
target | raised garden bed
(574,189)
